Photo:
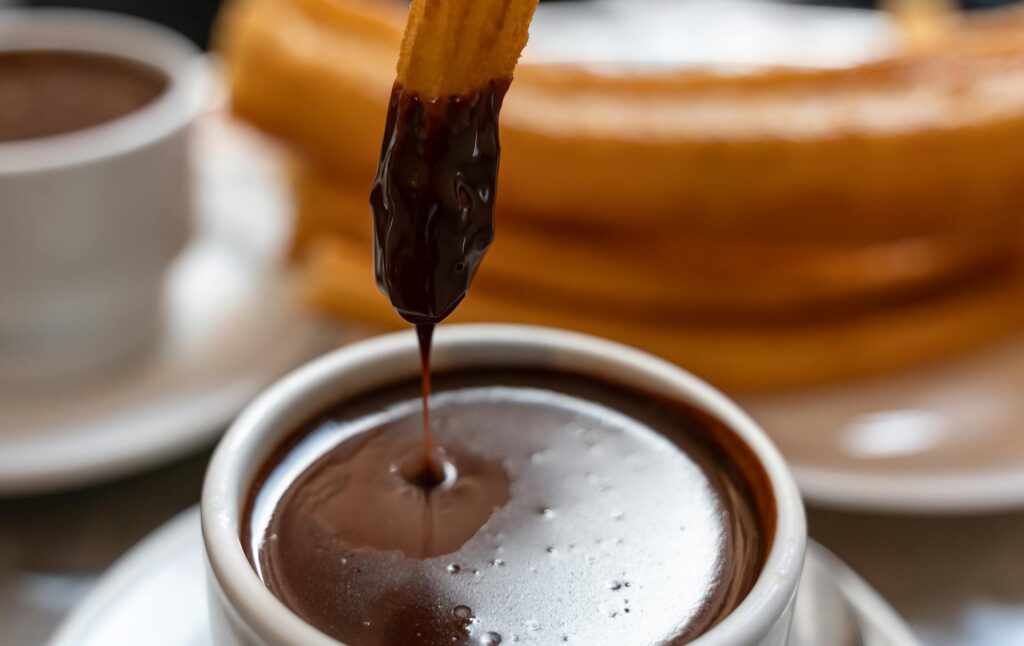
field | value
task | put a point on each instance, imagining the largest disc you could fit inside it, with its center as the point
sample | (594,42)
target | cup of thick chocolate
(94,202)
(587,493)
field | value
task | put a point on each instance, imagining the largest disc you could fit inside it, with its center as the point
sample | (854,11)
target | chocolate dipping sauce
(51,92)
(570,510)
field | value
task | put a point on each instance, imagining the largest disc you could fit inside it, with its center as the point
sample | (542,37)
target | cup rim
(280,409)
(101,32)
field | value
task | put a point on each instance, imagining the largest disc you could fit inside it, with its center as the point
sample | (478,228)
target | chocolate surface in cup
(51,92)
(571,510)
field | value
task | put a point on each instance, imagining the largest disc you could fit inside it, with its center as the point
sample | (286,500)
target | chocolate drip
(433,198)
(432,473)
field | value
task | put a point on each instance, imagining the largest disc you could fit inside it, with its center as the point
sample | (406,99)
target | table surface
(957,580)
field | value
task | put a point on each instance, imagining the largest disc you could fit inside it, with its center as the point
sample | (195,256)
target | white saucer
(232,326)
(156,595)
(942,439)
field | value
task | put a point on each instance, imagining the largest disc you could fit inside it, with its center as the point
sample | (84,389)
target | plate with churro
(828,227)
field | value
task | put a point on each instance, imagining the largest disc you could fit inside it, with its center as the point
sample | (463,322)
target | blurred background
(816,206)
(194,18)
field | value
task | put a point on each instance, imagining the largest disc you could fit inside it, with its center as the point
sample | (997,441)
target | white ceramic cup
(90,220)
(243,611)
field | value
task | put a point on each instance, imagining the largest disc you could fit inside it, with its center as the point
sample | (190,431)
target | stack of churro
(765,231)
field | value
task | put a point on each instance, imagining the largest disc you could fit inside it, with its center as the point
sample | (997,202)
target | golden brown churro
(921,144)
(748,357)
(661,274)
(772,230)
(458,47)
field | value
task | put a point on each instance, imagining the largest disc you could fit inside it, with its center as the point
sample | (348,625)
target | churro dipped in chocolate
(433,198)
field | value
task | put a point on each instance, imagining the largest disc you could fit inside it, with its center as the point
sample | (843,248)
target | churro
(433,197)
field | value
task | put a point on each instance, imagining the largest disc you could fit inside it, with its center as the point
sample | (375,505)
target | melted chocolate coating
(571,508)
(433,198)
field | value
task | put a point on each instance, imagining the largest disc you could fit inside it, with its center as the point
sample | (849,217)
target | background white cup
(89,220)
(243,611)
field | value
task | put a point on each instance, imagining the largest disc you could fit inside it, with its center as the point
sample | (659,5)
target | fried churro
(768,230)
(433,199)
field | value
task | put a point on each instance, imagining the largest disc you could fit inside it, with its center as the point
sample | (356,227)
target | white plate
(943,439)
(156,594)
(232,325)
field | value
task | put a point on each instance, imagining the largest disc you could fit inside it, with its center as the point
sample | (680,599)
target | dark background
(193,17)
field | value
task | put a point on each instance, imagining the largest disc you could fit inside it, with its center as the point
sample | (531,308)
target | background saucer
(157,594)
(941,439)
(232,325)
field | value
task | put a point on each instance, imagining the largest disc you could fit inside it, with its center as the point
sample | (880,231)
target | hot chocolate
(51,92)
(569,509)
